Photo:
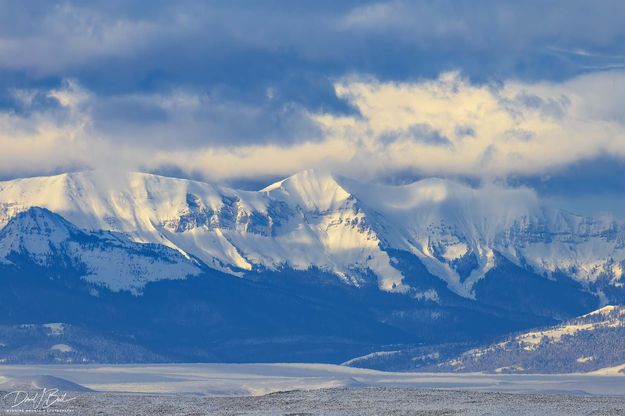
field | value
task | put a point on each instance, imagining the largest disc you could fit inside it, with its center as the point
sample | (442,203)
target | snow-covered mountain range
(316,265)
(313,220)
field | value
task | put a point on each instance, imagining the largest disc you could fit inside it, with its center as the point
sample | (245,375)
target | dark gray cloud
(250,45)
(465,131)
(519,134)
(553,108)
(186,119)
(419,132)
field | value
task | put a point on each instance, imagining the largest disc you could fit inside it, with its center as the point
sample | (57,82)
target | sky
(245,92)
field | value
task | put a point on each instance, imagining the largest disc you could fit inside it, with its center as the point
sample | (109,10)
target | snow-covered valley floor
(349,402)
(344,402)
(267,389)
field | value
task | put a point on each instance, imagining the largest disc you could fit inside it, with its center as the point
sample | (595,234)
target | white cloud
(371,15)
(516,128)
(433,127)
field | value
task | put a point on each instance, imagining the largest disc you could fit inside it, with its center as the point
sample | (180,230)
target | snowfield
(311,389)
(262,379)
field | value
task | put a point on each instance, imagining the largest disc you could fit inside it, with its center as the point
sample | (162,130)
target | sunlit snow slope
(335,224)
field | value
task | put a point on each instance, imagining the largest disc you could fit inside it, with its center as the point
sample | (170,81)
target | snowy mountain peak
(37,220)
(315,219)
(34,231)
(311,189)
(44,238)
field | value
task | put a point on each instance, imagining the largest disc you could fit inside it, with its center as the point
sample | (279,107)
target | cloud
(448,126)
(377,15)
(191,131)
(223,75)
(516,127)
(386,89)
(123,46)
(419,132)
(58,37)
(182,119)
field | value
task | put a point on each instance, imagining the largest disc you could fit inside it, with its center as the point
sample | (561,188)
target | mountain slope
(45,239)
(232,231)
(285,316)
(587,343)
(314,267)
(347,228)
